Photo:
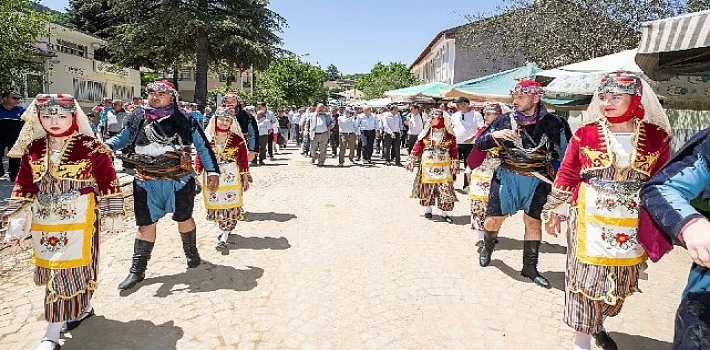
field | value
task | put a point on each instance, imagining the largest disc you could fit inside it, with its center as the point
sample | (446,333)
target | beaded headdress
(55,104)
(162,86)
(492,108)
(530,87)
(621,83)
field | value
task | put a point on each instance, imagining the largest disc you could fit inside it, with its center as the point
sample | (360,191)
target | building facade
(74,65)
(452,57)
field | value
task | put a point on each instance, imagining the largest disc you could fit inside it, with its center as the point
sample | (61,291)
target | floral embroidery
(52,244)
(623,200)
(619,240)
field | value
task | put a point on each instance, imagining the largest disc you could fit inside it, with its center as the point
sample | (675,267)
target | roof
(443,33)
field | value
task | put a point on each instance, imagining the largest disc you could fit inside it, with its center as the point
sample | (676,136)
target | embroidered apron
(62,229)
(229,193)
(480,184)
(608,223)
(436,162)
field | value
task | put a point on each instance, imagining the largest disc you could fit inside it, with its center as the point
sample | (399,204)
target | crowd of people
(609,186)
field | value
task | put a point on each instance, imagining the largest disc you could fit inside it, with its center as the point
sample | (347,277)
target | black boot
(531,251)
(604,341)
(489,243)
(189,246)
(141,255)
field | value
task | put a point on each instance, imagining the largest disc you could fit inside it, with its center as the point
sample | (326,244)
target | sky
(355,34)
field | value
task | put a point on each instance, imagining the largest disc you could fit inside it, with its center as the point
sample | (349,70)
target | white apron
(229,193)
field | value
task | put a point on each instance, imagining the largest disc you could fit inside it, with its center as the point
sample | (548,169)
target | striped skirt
(594,291)
(227,218)
(68,291)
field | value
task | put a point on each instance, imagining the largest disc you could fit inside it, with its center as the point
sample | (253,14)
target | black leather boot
(604,341)
(531,251)
(141,255)
(489,243)
(189,246)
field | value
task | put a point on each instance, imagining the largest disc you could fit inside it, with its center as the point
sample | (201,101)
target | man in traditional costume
(529,138)
(482,165)
(224,205)
(678,201)
(437,157)
(160,138)
(622,142)
(68,182)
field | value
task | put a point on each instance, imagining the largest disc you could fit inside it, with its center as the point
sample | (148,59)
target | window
(123,92)
(87,90)
(69,47)
(223,77)
(185,75)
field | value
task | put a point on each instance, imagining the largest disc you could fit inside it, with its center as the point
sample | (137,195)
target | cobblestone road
(333,258)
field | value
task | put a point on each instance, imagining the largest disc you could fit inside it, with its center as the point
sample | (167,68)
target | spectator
(10,123)
(114,121)
(466,123)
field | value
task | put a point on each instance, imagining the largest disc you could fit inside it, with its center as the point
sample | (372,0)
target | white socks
(427,209)
(224,237)
(582,341)
(480,234)
(52,333)
(444,214)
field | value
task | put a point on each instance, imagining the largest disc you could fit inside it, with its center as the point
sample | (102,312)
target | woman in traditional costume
(68,181)
(224,205)
(482,164)
(623,141)
(437,155)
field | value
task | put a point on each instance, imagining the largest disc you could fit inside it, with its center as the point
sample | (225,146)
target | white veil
(654,112)
(212,127)
(33,130)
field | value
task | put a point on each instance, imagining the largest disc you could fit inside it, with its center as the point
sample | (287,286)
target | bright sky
(354,35)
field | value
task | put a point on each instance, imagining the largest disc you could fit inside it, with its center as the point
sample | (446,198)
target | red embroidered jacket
(84,162)
(235,151)
(588,155)
(449,142)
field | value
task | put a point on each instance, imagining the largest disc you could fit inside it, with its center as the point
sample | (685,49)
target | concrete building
(186,82)
(74,65)
(453,56)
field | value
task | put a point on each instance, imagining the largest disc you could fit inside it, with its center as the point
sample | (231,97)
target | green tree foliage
(20,28)
(289,81)
(333,72)
(168,35)
(382,78)
(223,90)
(698,5)
(553,33)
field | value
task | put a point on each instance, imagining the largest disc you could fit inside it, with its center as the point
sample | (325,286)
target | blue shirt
(13,114)
(347,125)
(366,123)
(391,123)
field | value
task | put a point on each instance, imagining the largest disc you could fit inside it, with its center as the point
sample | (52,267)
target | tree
(333,72)
(168,35)
(385,77)
(19,30)
(698,5)
(553,33)
(289,81)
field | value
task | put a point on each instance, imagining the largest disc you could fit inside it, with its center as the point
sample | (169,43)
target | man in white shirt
(306,149)
(392,131)
(466,123)
(367,124)
(348,134)
(295,126)
(415,121)
(265,130)
(318,126)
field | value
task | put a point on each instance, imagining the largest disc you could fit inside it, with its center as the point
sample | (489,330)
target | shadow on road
(101,333)
(237,242)
(628,341)
(207,277)
(516,244)
(269,216)
(556,278)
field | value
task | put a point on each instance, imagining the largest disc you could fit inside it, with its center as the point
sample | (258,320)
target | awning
(675,46)
(431,90)
(494,87)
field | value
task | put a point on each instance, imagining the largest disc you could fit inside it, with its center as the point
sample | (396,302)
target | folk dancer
(68,182)
(530,138)
(622,142)
(436,154)
(164,183)
(678,201)
(224,205)
(482,165)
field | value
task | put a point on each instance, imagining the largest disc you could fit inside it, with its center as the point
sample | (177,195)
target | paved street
(333,258)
